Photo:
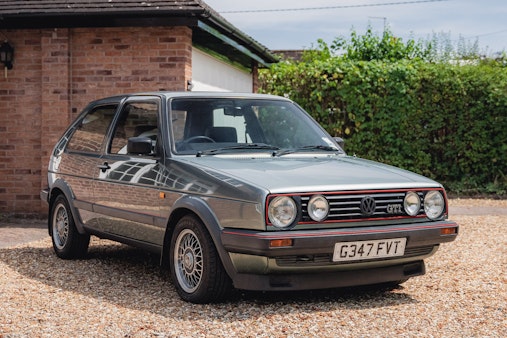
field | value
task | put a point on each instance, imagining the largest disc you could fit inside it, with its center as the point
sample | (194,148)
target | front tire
(68,243)
(196,270)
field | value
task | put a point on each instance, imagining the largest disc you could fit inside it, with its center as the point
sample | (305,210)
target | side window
(89,135)
(137,119)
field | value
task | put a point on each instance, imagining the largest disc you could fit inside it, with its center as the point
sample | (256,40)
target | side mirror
(139,146)
(340,141)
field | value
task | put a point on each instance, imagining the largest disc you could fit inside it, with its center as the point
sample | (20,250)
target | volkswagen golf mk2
(238,190)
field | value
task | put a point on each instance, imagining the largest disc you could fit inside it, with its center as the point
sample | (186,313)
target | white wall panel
(211,74)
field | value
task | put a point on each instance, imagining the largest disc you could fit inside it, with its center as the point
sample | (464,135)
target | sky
(276,25)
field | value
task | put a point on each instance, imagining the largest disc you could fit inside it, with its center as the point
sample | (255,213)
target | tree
(387,47)
(369,47)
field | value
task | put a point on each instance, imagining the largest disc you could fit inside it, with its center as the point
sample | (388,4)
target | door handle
(104,167)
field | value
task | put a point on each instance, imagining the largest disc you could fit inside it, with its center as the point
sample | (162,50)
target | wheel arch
(61,188)
(190,205)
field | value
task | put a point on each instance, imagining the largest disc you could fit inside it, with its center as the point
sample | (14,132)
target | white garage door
(211,74)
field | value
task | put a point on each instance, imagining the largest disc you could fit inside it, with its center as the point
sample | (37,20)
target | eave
(210,30)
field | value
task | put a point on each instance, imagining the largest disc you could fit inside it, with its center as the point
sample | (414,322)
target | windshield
(215,125)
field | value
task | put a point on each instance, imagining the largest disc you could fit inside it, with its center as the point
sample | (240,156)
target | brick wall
(20,125)
(56,73)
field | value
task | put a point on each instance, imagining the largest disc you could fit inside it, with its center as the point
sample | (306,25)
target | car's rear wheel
(68,243)
(196,269)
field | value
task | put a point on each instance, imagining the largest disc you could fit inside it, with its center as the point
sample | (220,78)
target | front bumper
(308,262)
(288,282)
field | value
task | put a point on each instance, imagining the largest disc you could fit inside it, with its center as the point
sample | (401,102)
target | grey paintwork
(320,172)
(228,192)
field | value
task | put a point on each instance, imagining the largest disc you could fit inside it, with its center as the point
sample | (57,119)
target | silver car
(238,190)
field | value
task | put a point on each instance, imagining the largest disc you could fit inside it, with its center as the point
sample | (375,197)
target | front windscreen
(213,124)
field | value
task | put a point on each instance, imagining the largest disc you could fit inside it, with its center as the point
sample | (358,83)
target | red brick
(39,101)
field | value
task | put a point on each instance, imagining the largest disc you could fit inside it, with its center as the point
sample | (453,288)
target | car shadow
(131,278)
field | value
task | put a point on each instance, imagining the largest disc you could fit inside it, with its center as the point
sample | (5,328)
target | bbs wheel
(196,269)
(68,243)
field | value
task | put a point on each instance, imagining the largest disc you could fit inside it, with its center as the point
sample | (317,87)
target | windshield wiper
(307,148)
(247,146)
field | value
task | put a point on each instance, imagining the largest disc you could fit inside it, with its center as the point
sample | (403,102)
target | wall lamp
(6,55)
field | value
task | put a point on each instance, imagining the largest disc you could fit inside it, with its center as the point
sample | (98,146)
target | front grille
(327,259)
(347,206)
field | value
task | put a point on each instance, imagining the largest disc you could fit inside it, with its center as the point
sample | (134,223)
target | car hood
(310,174)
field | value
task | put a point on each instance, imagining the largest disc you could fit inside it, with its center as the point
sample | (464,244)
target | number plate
(353,251)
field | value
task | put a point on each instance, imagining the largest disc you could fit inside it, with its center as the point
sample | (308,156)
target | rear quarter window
(89,134)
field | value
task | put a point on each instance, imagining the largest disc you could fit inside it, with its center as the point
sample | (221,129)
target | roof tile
(31,7)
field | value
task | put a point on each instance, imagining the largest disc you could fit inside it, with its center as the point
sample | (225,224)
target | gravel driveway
(119,292)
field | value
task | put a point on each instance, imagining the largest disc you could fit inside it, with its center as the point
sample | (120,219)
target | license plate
(382,248)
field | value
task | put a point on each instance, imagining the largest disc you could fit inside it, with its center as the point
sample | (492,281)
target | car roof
(170,95)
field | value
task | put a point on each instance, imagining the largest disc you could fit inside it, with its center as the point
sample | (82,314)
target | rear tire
(68,243)
(196,269)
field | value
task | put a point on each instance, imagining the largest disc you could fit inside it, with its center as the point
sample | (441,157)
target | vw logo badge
(368,206)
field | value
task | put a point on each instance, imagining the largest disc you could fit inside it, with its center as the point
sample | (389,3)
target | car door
(125,190)
(77,156)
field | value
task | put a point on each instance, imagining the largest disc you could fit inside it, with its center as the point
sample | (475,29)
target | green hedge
(447,122)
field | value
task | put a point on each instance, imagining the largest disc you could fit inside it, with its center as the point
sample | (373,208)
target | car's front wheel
(68,243)
(196,269)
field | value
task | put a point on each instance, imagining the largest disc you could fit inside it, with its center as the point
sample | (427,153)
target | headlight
(412,203)
(318,208)
(282,211)
(434,204)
